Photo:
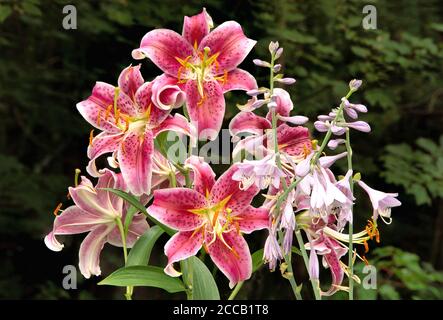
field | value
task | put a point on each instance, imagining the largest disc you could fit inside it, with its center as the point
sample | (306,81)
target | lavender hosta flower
(261,63)
(355,84)
(359,126)
(327,161)
(314,268)
(286,81)
(272,253)
(382,202)
(278,53)
(344,215)
(352,109)
(297,120)
(273,47)
(287,223)
(262,173)
(326,198)
(323,117)
(304,166)
(277,68)
(334,143)
(323,126)
(272,102)
(256,92)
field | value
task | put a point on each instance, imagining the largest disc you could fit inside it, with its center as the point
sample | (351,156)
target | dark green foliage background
(45,70)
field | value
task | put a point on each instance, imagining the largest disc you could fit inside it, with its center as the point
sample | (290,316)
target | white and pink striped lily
(213,214)
(130,116)
(95,211)
(203,63)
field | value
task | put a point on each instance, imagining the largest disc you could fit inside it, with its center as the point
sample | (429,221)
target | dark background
(45,70)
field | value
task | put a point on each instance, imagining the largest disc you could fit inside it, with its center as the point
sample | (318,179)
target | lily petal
(90,250)
(295,141)
(166,94)
(177,123)
(206,112)
(239,79)
(231,45)
(235,262)
(101,144)
(195,28)
(73,220)
(252,219)
(204,177)
(135,160)
(163,47)
(182,245)
(130,80)
(146,107)
(248,122)
(226,187)
(171,207)
(98,108)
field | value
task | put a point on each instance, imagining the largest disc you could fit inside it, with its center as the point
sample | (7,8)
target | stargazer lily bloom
(204,64)
(130,116)
(293,142)
(213,214)
(95,211)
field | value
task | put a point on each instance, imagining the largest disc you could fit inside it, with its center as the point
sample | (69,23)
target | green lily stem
(129,289)
(287,257)
(314,283)
(351,227)
(329,132)
(186,269)
(236,290)
(291,278)
(172,179)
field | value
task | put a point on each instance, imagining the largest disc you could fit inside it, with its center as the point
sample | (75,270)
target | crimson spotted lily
(213,214)
(95,211)
(130,116)
(204,64)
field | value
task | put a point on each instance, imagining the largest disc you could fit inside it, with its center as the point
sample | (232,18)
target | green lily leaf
(198,277)
(141,252)
(146,276)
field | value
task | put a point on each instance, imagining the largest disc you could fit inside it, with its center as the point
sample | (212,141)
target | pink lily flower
(95,211)
(332,251)
(204,64)
(213,214)
(292,141)
(130,118)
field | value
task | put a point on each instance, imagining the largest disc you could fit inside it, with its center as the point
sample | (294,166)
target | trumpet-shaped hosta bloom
(262,173)
(213,214)
(293,142)
(95,211)
(130,116)
(382,202)
(204,64)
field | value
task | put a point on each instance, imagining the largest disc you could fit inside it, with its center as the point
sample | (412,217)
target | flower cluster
(286,171)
